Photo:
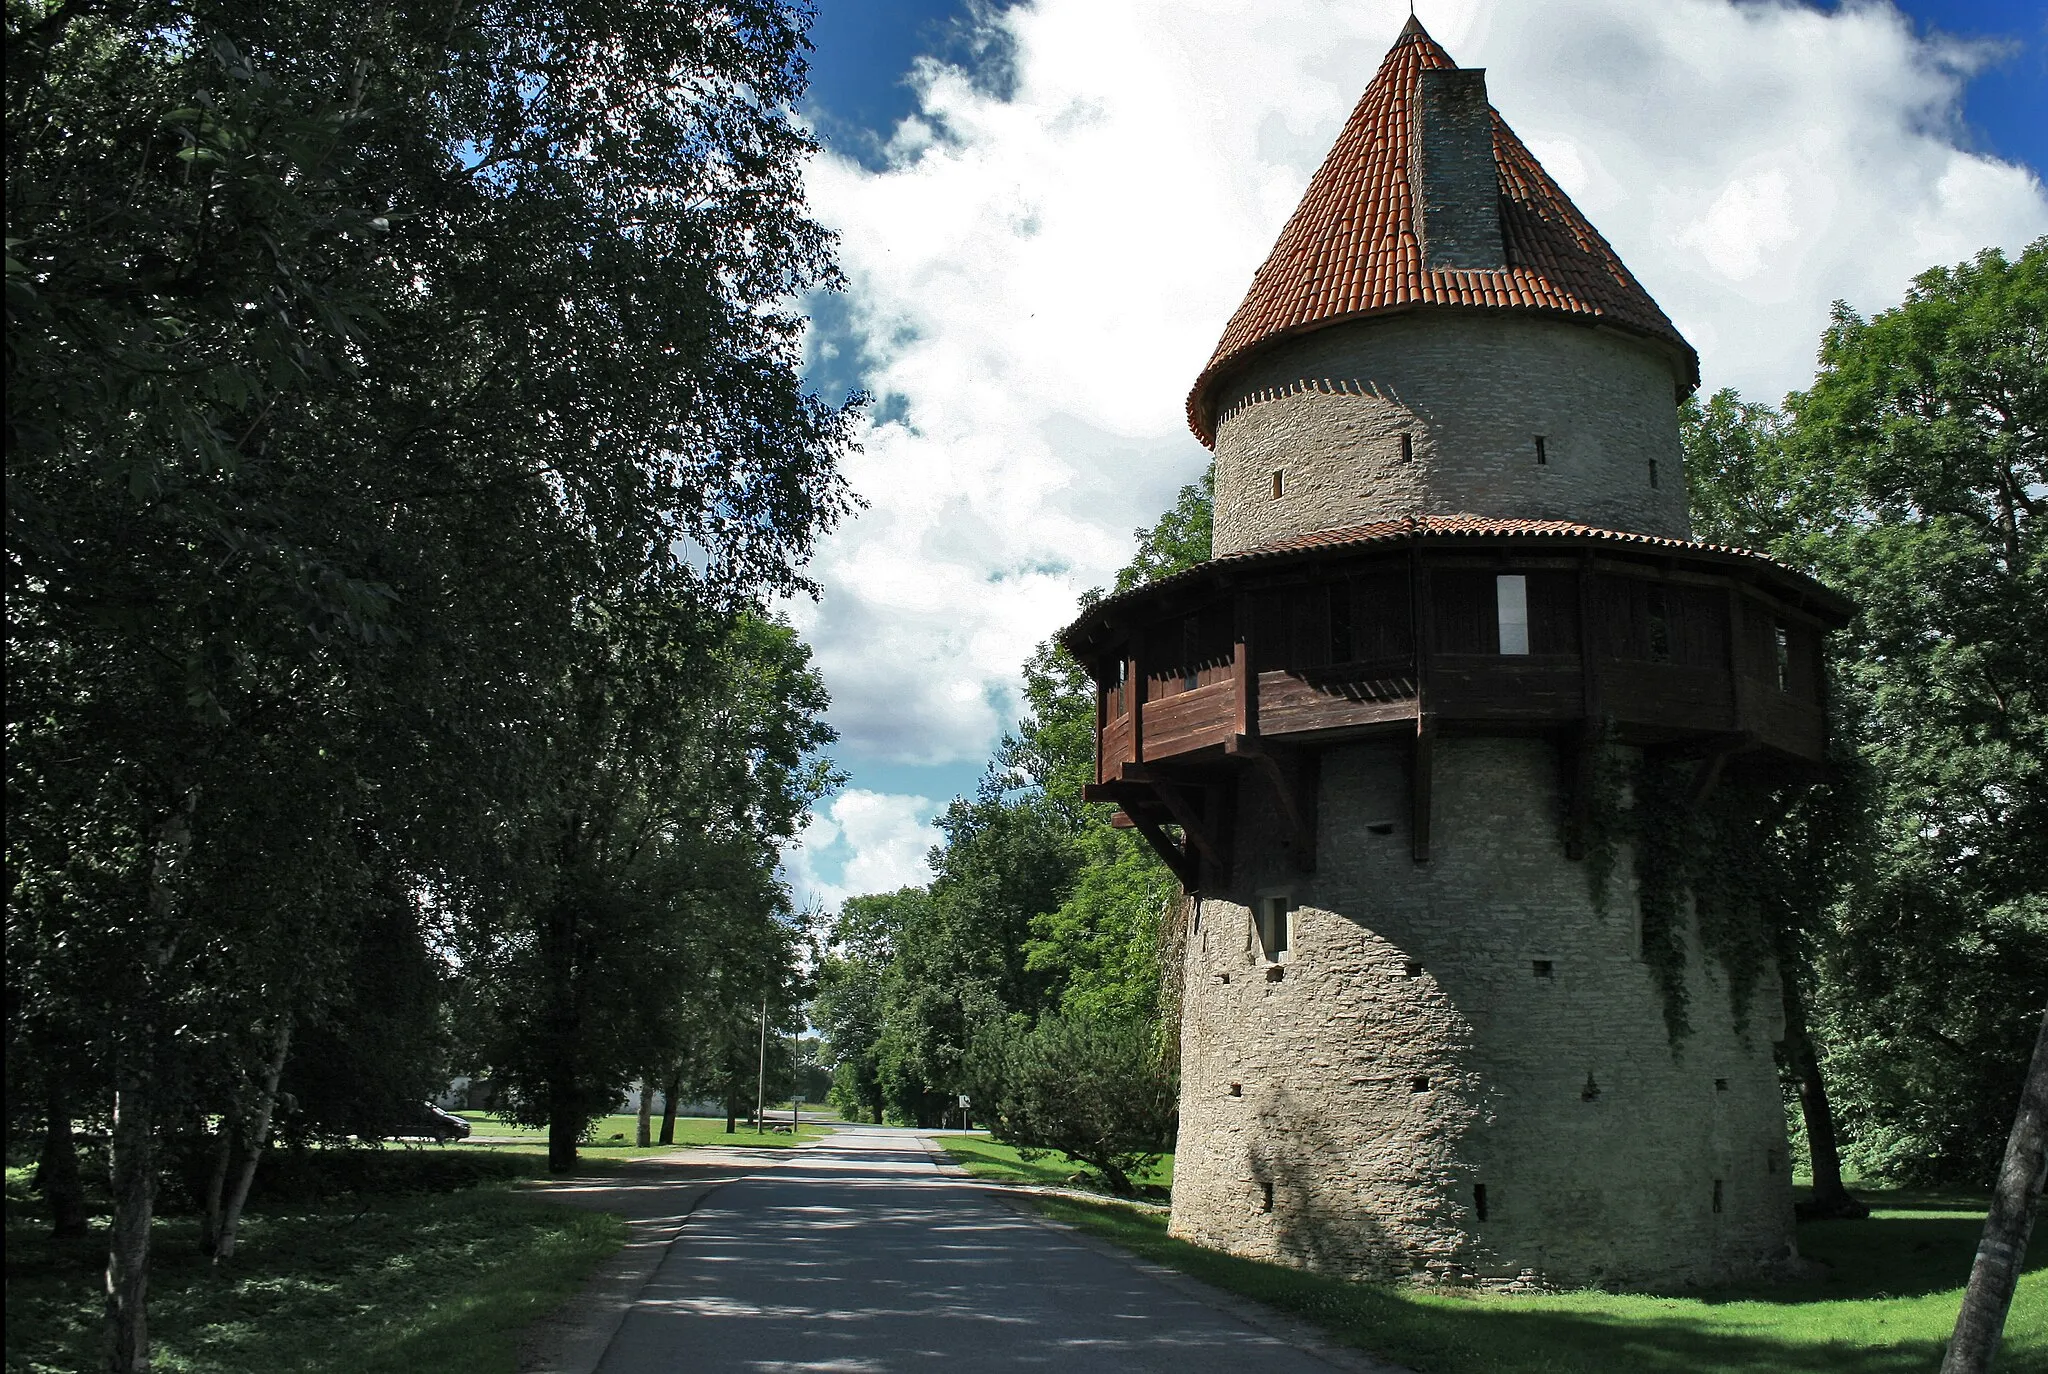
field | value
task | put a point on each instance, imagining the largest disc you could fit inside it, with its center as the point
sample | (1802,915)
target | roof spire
(1357,243)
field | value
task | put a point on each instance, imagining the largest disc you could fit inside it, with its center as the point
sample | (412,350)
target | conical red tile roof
(1351,250)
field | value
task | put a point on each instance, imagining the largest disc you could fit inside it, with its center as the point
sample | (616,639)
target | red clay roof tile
(1350,247)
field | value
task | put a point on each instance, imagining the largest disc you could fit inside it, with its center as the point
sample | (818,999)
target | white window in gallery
(1276,927)
(1511,594)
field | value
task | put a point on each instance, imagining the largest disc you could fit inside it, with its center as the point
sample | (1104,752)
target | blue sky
(1047,212)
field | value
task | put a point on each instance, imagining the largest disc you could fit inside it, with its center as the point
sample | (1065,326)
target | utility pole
(761,1075)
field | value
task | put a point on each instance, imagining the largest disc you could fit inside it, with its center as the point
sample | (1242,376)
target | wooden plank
(1188,720)
(1289,705)
(1520,687)
(1668,694)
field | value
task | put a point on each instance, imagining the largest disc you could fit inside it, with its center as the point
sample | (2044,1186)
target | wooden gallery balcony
(1441,625)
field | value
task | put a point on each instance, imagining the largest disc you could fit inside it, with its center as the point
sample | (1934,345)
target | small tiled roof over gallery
(1352,248)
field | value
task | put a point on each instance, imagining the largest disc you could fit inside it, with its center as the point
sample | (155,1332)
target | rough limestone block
(1341,1116)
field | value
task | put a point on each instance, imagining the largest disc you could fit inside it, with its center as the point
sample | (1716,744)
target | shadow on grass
(387,1284)
(1885,1309)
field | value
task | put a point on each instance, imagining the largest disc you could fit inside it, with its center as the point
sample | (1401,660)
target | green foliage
(1102,941)
(991,1159)
(1091,1089)
(1911,476)
(405,423)
(1036,904)
(1179,541)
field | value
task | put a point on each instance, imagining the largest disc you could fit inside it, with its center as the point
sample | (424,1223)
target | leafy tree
(1037,903)
(1092,1088)
(1911,476)
(359,364)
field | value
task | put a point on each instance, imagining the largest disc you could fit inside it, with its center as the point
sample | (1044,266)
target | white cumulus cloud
(1037,277)
(861,842)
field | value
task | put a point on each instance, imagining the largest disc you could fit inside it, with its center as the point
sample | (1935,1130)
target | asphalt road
(861,1255)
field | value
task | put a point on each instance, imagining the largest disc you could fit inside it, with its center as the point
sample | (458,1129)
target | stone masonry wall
(1470,1021)
(1471,390)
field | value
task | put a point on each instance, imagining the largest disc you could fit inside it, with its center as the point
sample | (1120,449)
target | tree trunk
(565,1127)
(259,1135)
(133,1160)
(565,1102)
(644,1136)
(217,1184)
(1981,1323)
(732,1115)
(1830,1198)
(668,1107)
(57,1170)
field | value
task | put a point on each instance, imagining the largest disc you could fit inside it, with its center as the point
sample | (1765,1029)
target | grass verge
(991,1159)
(612,1136)
(379,1284)
(1885,1308)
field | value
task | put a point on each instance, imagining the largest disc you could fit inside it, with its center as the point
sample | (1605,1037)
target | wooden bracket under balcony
(1293,776)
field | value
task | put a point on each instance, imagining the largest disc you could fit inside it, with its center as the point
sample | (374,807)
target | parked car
(442,1126)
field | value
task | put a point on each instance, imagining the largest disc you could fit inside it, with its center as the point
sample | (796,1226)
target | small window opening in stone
(1591,1092)
(1479,1201)
(1542,968)
(1542,455)
(1412,970)
(1276,919)
(1237,1090)
(1717,1194)
(1266,1197)
(1381,827)
(1782,642)
(1653,472)
(1276,973)
(1407,448)
(1419,1083)
(1720,1085)
(1659,608)
(1279,485)
(1511,598)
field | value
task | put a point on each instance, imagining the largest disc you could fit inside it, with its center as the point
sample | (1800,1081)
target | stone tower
(1453,584)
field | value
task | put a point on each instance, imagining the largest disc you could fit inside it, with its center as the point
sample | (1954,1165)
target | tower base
(1459,1071)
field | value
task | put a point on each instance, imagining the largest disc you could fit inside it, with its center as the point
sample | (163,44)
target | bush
(1094,1090)
(296,1176)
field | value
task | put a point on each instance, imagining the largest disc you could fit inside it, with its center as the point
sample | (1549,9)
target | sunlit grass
(613,1136)
(986,1158)
(1886,1306)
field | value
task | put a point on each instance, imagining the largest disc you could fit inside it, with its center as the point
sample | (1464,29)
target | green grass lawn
(613,1136)
(1886,1307)
(986,1158)
(390,1284)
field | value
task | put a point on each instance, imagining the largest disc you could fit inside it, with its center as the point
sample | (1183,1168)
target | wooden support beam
(1134,698)
(1421,785)
(1176,856)
(1706,775)
(1204,831)
(1293,776)
(1582,771)
(1245,682)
